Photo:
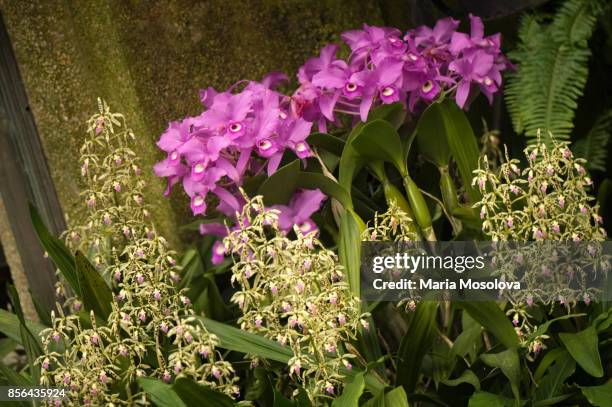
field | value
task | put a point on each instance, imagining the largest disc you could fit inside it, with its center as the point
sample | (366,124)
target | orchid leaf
(57,250)
(237,340)
(414,346)
(598,396)
(96,295)
(393,113)
(562,368)
(351,393)
(349,248)
(330,143)
(160,393)
(508,362)
(378,140)
(583,346)
(195,394)
(467,376)
(447,118)
(279,187)
(492,318)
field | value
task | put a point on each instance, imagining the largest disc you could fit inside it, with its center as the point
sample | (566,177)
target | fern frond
(593,147)
(552,70)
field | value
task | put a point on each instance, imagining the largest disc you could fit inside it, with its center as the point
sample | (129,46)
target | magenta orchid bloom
(239,134)
(299,210)
(432,61)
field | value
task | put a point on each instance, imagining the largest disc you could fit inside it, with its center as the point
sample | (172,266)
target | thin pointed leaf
(57,250)
(96,295)
(415,344)
(160,393)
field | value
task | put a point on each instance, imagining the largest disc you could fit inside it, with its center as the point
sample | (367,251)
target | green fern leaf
(593,147)
(552,70)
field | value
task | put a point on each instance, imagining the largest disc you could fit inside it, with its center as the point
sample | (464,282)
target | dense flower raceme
(150,318)
(295,292)
(245,130)
(546,201)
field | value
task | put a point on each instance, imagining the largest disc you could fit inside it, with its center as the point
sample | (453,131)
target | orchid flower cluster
(151,330)
(551,192)
(547,201)
(240,133)
(295,292)
(385,66)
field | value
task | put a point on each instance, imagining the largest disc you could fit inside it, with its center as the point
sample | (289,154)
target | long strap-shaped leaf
(415,344)
(57,250)
(96,295)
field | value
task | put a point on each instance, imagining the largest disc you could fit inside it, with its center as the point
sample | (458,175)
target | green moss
(149,59)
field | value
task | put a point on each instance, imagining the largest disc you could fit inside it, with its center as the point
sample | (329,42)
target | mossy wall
(148,59)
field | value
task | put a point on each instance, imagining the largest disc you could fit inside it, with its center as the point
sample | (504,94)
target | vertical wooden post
(24,176)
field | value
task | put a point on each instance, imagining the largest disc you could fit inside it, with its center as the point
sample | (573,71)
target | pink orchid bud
(329,388)
(142,316)
(56,336)
(163,327)
(177,368)
(95,339)
(216,372)
(117,187)
(117,275)
(166,377)
(529,301)
(204,351)
(156,295)
(103,378)
(77,306)
(561,201)
(123,350)
(587,299)
(45,364)
(140,278)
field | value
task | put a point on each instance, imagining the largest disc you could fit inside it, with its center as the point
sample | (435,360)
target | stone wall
(148,59)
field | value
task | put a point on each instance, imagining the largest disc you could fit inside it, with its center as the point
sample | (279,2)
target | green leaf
(313,180)
(333,144)
(550,385)
(195,394)
(378,140)
(415,344)
(278,188)
(508,362)
(431,137)
(598,396)
(593,146)
(349,249)
(13,378)
(451,120)
(10,326)
(96,295)
(160,393)
(351,393)
(493,319)
(57,250)
(552,70)
(584,349)
(466,377)
(484,399)
(549,358)
(31,343)
(396,398)
(394,113)
(542,329)
(237,340)
(442,360)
